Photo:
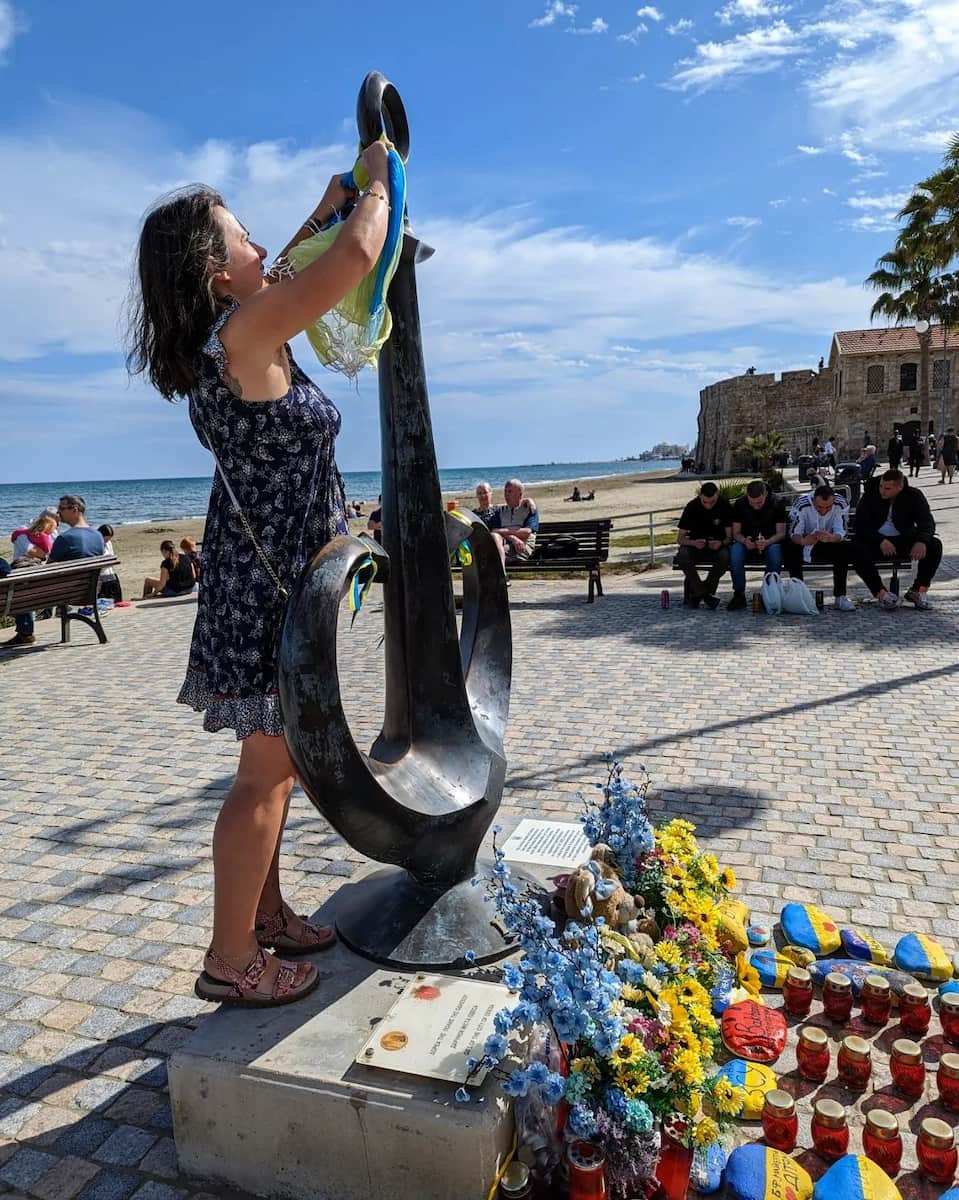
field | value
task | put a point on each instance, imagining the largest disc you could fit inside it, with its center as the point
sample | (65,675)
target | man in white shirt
(817,533)
(829,450)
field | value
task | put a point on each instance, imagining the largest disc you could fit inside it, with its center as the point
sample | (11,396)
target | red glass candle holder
(949,1016)
(586,1166)
(797,992)
(914,1011)
(907,1068)
(882,1141)
(780,1121)
(947,1077)
(837,997)
(854,1063)
(675,1162)
(830,1133)
(936,1151)
(876,1000)
(812,1054)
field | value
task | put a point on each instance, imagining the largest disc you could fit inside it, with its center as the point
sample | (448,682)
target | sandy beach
(138,546)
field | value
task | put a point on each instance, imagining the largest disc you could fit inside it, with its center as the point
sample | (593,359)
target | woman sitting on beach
(209,325)
(177,576)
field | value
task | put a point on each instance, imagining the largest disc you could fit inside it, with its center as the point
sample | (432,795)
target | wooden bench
(56,585)
(569,546)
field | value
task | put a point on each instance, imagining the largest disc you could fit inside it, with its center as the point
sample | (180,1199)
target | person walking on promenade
(208,324)
(894,450)
(948,455)
(915,454)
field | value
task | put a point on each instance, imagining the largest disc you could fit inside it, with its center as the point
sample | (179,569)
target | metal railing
(647,523)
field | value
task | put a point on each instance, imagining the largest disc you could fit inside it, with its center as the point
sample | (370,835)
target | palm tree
(764,447)
(932,211)
(908,280)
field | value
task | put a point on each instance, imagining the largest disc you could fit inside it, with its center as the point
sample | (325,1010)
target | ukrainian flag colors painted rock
(922,957)
(952,1194)
(861,945)
(951,986)
(759,1173)
(855,1178)
(755,1080)
(750,1030)
(771,967)
(709,1163)
(806,925)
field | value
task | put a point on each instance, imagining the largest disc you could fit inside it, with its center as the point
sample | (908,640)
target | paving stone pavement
(816,756)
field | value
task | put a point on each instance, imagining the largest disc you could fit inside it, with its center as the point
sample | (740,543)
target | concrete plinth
(272,1102)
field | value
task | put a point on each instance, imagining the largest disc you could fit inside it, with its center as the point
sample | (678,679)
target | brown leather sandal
(271,933)
(242,988)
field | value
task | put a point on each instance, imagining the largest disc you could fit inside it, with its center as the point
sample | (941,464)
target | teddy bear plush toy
(594,891)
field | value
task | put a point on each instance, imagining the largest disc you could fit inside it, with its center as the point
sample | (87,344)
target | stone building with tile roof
(870,384)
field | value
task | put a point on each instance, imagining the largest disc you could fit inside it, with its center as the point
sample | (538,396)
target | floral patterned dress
(278,458)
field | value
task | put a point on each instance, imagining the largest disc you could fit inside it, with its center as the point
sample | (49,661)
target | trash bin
(849,475)
(805,467)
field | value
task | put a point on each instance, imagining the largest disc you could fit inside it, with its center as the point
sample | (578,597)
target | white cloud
(634,34)
(648,12)
(810,150)
(781,202)
(750,10)
(598,25)
(554,10)
(12,23)
(890,202)
(828,192)
(752,53)
(879,214)
(743,222)
(683,25)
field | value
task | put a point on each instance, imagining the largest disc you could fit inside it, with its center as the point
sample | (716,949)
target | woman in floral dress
(209,324)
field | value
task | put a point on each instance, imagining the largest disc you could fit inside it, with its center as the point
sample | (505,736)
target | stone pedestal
(271,1101)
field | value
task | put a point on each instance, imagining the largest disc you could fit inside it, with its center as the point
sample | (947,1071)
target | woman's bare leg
(150,586)
(245,843)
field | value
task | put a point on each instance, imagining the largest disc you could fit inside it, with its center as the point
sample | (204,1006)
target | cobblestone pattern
(817,757)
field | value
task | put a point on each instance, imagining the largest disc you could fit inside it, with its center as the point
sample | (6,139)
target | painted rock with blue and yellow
(798,955)
(709,1162)
(951,985)
(952,1194)
(923,957)
(856,971)
(760,1173)
(755,1080)
(855,1177)
(860,945)
(732,916)
(806,925)
(771,967)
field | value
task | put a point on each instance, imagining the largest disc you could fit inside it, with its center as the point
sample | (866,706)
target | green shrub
(732,489)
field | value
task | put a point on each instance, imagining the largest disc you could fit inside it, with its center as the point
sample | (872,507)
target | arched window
(876,379)
(908,374)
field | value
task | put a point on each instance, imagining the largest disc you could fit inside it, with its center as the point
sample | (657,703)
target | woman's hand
(376,160)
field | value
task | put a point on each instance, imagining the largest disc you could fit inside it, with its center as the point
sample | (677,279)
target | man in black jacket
(893,520)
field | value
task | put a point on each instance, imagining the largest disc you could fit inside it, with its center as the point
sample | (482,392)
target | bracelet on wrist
(369,192)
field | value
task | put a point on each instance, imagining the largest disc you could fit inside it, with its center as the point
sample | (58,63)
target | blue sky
(627,202)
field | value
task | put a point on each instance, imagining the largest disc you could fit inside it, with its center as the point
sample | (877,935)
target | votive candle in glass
(854,1063)
(837,996)
(780,1121)
(914,1011)
(812,1054)
(947,1078)
(797,992)
(882,1141)
(907,1068)
(876,1000)
(949,1016)
(936,1151)
(830,1133)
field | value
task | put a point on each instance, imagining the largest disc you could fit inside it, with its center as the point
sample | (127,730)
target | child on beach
(188,546)
(110,588)
(33,542)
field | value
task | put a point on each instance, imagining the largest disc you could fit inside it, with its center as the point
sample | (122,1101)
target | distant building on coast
(871,382)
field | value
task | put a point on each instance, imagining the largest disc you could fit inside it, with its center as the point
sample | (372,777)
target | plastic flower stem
(491,1194)
(621,940)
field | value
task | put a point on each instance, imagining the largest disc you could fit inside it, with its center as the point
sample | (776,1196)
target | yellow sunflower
(707,1132)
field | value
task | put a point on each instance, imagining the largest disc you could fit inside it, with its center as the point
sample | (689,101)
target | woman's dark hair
(170,551)
(172,304)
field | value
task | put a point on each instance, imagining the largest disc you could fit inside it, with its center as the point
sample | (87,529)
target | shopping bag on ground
(797,598)
(772,592)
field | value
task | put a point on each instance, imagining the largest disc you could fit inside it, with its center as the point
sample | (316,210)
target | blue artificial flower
(512,977)
(576,1087)
(503,1021)
(517,1084)
(581,1122)
(471,1064)
(496,1046)
(461,1095)
(552,1090)
(538,1073)
(470,957)
(497,828)
(639,1118)
(615,1102)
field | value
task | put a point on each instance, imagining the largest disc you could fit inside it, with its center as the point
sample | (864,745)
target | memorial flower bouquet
(632,1014)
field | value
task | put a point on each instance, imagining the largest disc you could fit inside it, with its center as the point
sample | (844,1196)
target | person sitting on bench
(894,520)
(705,531)
(515,530)
(817,531)
(759,531)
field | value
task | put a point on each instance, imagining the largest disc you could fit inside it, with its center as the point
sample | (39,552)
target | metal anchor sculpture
(427,791)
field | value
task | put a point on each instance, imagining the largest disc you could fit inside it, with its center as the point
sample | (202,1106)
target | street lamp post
(922,328)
